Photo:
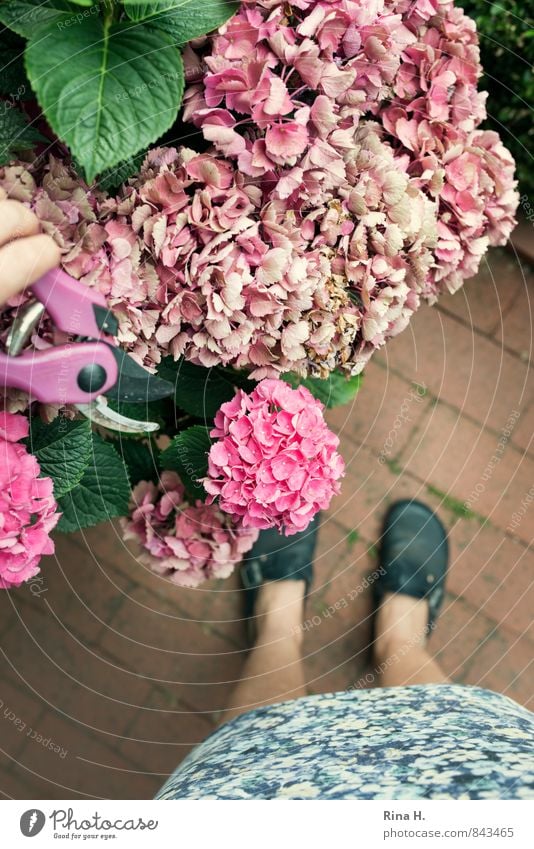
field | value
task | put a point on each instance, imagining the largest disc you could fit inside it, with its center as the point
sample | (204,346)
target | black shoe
(277,558)
(414,556)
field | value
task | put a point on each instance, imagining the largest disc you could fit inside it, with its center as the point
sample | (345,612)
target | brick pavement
(123,673)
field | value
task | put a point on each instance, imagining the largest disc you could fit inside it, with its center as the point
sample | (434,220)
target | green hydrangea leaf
(62,449)
(334,391)
(141,459)
(112,179)
(14,83)
(102,493)
(188,455)
(25,16)
(182,19)
(16,134)
(197,391)
(107,90)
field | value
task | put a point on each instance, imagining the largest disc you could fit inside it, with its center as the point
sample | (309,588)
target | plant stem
(108,7)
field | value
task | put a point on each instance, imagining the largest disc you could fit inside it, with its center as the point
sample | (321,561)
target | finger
(24,261)
(16,221)
(3,194)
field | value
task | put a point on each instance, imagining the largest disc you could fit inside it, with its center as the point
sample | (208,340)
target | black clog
(277,558)
(414,555)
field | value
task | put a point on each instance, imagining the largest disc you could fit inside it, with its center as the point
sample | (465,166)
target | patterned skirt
(439,741)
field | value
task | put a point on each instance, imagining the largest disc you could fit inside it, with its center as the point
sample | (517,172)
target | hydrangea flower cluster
(186,543)
(432,120)
(286,84)
(28,511)
(345,180)
(194,263)
(307,234)
(274,462)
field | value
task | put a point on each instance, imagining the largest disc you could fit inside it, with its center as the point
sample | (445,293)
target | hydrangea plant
(327,176)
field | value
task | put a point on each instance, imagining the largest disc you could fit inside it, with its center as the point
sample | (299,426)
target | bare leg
(273,671)
(400,648)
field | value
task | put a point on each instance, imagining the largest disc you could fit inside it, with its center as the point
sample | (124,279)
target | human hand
(25,253)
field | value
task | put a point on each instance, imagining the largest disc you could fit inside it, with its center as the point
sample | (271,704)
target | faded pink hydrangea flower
(195,264)
(478,202)
(286,84)
(186,543)
(274,462)
(432,120)
(28,510)
(307,235)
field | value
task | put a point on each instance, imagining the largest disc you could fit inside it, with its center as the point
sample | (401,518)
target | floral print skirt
(437,741)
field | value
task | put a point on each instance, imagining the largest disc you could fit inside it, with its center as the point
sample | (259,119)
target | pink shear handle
(69,302)
(58,374)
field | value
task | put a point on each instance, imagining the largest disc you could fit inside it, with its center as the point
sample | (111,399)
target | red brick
(494,573)
(515,332)
(504,664)
(482,301)
(523,434)
(12,785)
(452,454)
(78,590)
(461,367)
(219,605)
(70,679)
(188,658)
(19,710)
(522,241)
(162,736)
(370,488)
(383,414)
(459,636)
(89,767)
(167,625)
(327,673)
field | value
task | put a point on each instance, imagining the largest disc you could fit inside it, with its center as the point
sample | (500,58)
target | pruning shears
(85,372)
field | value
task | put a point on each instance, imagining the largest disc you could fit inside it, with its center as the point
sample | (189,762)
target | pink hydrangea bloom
(274,462)
(27,506)
(435,88)
(195,264)
(186,543)
(285,84)
(478,201)
(307,235)
(432,120)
